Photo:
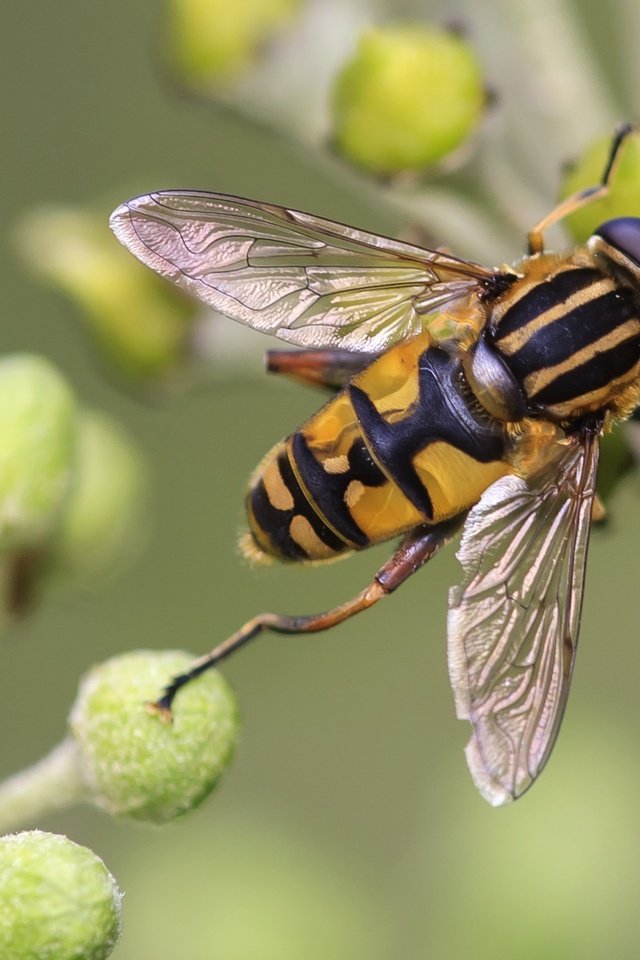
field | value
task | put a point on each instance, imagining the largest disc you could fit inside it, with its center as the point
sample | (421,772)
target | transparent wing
(513,622)
(309,281)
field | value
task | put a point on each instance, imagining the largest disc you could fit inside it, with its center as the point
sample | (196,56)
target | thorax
(568,331)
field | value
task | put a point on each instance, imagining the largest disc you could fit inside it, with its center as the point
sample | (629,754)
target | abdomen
(401,445)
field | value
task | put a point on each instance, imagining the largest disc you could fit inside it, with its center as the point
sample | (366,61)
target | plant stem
(564,72)
(53,782)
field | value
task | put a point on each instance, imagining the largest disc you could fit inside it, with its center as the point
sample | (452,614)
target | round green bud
(37,433)
(58,901)
(623,197)
(213,41)
(134,762)
(410,96)
(103,520)
(139,320)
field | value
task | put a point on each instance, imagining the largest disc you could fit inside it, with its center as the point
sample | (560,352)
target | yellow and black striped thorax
(403,444)
(569,330)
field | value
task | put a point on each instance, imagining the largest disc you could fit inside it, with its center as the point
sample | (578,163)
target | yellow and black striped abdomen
(571,338)
(399,446)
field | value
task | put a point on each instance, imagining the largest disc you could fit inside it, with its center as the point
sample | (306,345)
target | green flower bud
(134,763)
(103,520)
(58,901)
(37,432)
(409,97)
(138,319)
(623,198)
(213,41)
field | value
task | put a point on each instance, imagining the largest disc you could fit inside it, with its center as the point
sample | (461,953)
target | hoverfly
(464,396)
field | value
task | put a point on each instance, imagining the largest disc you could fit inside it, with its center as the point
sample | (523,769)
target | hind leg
(415,550)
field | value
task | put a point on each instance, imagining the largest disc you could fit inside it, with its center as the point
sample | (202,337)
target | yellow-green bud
(623,197)
(409,97)
(140,321)
(136,764)
(37,433)
(103,520)
(58,901)
(213,41)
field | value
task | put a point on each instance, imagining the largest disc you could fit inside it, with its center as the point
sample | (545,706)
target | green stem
(628,30)
(52,783)
(5,580)
(563,71)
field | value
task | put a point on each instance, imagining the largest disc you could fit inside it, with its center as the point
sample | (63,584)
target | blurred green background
(348,826)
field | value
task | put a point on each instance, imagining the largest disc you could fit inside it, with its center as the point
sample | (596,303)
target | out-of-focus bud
(58,901)
(409,97)
(134,763)
(211,42)
(623,198)
(104,520)
(140,321)
(37,434)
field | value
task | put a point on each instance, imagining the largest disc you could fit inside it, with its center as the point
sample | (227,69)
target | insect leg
(414,551)
(319,368)
(535,237)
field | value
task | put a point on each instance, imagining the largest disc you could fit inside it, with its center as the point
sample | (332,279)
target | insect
(464,396)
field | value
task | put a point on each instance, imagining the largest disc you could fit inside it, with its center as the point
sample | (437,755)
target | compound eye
(623,233)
